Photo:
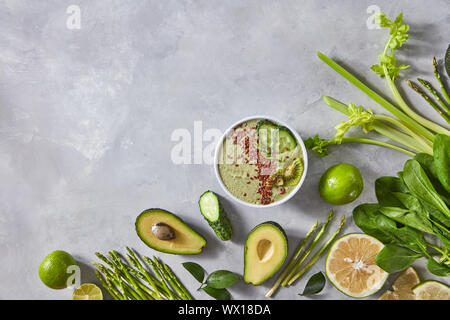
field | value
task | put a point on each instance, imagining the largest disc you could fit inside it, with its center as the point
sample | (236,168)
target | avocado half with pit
(164,231)
(265,252)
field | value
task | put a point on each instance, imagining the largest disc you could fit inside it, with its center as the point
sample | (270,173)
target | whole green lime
(341,184)
(53,269)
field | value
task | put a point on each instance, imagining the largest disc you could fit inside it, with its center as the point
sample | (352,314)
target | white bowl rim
(299,140)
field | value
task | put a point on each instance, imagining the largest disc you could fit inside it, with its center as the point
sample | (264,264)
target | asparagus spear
(168,278)
(137,274)
(319,253)
(438,77)
(127,293)
(104,259)
(177,282)
(430,88)
(135,262)
(127,283)
(308,251)
(161,278)
(277,283)
(135,283)
(143,292)
(428,99)
(108,286)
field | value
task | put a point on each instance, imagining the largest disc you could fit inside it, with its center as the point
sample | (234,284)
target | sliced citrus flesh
(432,290)
(402,286)
(351,267)
(87,291)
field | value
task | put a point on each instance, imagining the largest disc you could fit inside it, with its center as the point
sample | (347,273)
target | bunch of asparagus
(293,271)
(444,106)
(130,279)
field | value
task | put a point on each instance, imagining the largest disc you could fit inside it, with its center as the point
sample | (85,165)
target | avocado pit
(163,231)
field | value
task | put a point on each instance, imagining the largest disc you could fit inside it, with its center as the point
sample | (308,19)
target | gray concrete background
(86,118)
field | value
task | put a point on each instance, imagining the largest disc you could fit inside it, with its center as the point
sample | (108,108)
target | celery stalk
(382,101)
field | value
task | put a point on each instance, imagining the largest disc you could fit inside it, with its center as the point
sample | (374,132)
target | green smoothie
(261,162)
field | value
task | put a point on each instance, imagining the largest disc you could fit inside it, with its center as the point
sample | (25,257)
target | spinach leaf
(218,294)
(370,220)
(410,202)
(411,238)
(221,279)
(315,284)
(414,219)
(195,270)
(441,151)
(437,215)
(438,269)
(447,61)
(420,186)
(385,186)
(443,235)
(427,163)
(393,258)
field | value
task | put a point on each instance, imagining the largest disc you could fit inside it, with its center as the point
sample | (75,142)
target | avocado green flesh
(186,240)
(265,252)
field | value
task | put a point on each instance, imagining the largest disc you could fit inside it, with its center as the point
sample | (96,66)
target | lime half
(87,291)
(432,290)
(351,267)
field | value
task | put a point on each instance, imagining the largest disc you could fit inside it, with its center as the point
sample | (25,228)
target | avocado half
(265,252)
(186,240)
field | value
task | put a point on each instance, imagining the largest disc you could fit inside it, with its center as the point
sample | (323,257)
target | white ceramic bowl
(290,195)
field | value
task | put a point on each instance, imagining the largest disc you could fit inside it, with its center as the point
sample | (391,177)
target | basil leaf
(221,279)
(393,258)
(315,284)
(438,269)
(195,270)
(218,294)
(447,61)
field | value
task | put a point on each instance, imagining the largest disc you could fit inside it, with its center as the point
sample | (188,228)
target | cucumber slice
(266,130)
(287,140)
(213,212)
